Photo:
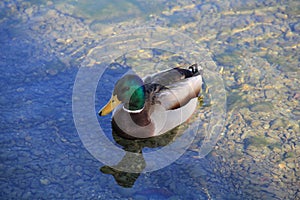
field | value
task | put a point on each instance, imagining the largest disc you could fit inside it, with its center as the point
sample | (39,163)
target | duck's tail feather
(196,70)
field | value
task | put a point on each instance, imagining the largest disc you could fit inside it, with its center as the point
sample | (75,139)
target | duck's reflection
(135,161)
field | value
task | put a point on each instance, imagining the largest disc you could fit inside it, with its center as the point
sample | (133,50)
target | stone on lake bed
(296,27)
(296,112)
(291,163)
(262,107)
(282,165)
(270,94)
(259,141)
(44,181)
(277,123)
(256,123)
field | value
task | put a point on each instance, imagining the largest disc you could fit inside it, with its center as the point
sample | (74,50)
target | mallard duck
(151,106)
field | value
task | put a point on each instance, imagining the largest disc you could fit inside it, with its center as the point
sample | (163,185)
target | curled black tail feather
(195,70)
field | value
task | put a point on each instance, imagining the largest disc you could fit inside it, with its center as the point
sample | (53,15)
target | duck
(151,106)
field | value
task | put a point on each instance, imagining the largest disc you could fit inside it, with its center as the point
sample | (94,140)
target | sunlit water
(255,46)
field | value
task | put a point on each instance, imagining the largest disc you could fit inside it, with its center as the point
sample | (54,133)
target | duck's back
(171,76)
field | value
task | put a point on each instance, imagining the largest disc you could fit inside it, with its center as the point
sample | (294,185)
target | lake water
(250,55)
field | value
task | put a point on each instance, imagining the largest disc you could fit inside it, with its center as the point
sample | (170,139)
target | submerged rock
(262,107)
(278,123)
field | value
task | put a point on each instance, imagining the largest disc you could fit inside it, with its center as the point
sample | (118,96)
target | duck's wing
(173,118)
(180,93)
(173,88)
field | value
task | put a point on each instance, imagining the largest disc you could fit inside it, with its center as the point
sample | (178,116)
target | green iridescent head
(130,90)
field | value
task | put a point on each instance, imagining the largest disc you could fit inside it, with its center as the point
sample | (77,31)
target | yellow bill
(112,103)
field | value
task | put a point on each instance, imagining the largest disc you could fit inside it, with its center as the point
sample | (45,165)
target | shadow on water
(136,160)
